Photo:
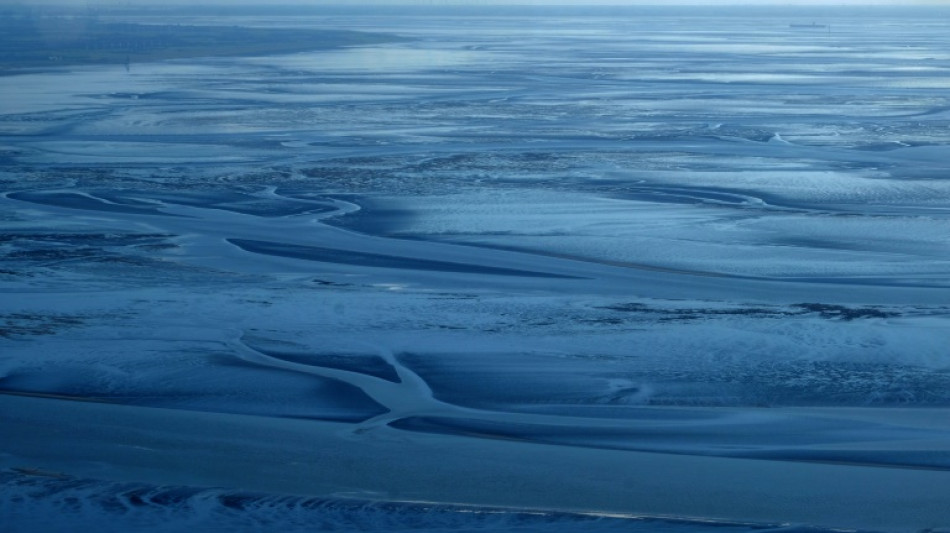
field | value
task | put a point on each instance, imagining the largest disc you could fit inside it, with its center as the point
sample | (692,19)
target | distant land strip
(38,42)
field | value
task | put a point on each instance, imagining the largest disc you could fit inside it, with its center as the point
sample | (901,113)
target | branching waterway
(602,270)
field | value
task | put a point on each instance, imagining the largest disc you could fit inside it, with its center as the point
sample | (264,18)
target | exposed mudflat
(654,271)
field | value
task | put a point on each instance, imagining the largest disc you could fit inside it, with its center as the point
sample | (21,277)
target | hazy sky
(479,2)
(566,2)
(104,3)
(626,2)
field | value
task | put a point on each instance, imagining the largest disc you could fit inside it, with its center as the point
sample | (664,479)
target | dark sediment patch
(828,311)
(752,441)
(236,202)
(916,459)
(374,217)
(68,40)
(74,200)
(842,312)
(366,259)
(683,195)
(20,325)
(235,387)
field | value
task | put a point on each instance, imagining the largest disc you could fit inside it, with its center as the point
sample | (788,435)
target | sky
(628,2)
(315,3)
(479,2)
(632,2)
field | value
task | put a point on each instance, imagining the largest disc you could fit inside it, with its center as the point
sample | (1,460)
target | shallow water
(632,232)
(37,502)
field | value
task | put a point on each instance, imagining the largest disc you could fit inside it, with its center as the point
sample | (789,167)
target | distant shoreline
(49,42)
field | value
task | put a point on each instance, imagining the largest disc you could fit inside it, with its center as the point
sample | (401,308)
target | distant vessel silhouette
(812,26)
